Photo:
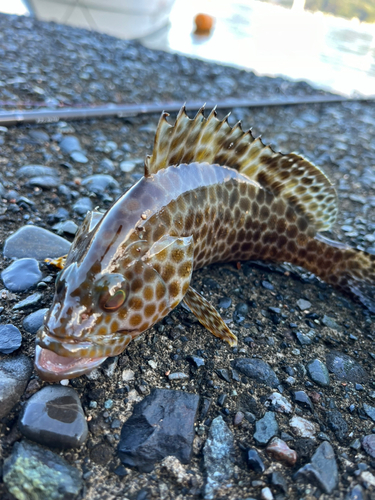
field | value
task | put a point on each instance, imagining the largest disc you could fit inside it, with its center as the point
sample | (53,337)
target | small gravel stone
(10,338)
(368,444)
(30,301)
(65,227)
(318,372)
(302,399)
(69,144)
(322,470)
(14,376)
(266,494)
(303,304)
(21,275)
(370,411)
(82,206)
(302,427)
(34,321)
(280,451)
(278,403)
(45,182)
(330,322)
(178,376)
(128,165)
(224,302)
(195,361)
(254,461)
(32,472)
(36,171)
(99,183)
(78,157)
(217,457)
(35,242)
(345,367)
(266,428)
(54,417)
(337,424)
(256,369)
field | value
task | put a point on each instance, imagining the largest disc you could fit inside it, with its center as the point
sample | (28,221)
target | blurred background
(328,43)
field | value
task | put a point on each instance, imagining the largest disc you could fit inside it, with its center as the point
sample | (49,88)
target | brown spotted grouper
(210,193)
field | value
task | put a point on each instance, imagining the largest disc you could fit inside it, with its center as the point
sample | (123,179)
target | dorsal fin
(214,141)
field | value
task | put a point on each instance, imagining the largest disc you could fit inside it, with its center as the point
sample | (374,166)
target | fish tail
(348,269)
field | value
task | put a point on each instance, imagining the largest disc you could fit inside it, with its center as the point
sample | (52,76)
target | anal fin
(208,316)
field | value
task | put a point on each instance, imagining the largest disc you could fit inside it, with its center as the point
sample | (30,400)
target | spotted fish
(210,193)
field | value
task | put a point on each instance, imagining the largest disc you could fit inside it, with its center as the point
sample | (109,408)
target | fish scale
(211,193)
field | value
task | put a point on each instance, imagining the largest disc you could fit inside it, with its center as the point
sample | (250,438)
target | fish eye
(112,302)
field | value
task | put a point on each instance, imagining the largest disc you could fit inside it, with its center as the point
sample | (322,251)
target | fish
(211,193)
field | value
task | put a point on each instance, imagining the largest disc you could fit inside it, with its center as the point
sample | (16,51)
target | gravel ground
(283,317)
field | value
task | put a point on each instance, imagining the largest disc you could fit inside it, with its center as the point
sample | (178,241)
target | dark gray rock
(32,472)
(322,471)
(82,206)
(330,322)
(195,361)
(257,370)
(30,301)
(224,302)
(69,144)
(34,321)
(337,424)
(65,227)
(266,428)
(35,242)
(254,461)
(21,275)
(370,411)
(10,338)
(345,367)
(277,479)
(54,417)
(368,444)
(162,424)
(36,171)
(318,372)
(14,376)
(305,338)
(218,457)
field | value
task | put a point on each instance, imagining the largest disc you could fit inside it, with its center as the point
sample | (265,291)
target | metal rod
(124,110)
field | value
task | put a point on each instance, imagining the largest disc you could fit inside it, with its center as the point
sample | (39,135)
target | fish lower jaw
(52,367)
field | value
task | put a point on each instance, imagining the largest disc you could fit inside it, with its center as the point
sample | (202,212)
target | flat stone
(256,369)
(218,457)
(368,444)
(37,171)
(99,183)
(195,360)
(34,321)
(322,471)
(30,301)
(370,411)
(278,450)
(82,206)
(305,338)
(330,322)
(318,372)
(278,403)
(34,473)
(21,275)
(266,428)
(303,304)
(128,165)
(302,399)
(44,182)
(54,417)
(65,227)
(15,373)
(162,424)
(35,242)
(10,338)
(302,427)
(78,157)
(337,424)
(356,493)
(254,461)
(278,480)
(69,144)
(346,368)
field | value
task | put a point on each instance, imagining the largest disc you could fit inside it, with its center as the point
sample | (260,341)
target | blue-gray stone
(34,321)
(68,227)
(78,157)
(106,165)
(34,473)
(54,417)
(10,338)
(82,206)
(69,144)
(257,370)
(318,372)
(30,301)
(322,471)
(330,322)
(369,410)
(218,457)
(99,183)
(14,376)
(128,165)
(35,242)
(337,424)
(346,368)
(46,182)
(266,428)
(37,171)
(39,136)
(21,275)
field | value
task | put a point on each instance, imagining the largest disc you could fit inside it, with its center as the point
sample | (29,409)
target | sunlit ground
(13,7)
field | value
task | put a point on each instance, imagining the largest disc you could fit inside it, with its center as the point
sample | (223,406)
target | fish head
(93,318)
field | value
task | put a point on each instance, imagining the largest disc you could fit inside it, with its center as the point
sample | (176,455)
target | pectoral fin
(208,316)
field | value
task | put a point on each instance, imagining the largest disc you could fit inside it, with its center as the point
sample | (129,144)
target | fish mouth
(52,367)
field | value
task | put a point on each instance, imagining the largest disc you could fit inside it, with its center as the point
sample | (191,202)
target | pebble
(195,361)
(10,338)
(78,157)
(82,206)
(337,424)
(128,165)
(54,417)
(35,242)
(370,411)
(217,457)
(39,136)
(368,444)
(305,338)
(32,472)
(37,171)
(21,275)
(69,144)
(302,399)
(345,367)
(356,493)
(322,471)
(254,461)
(99,183)
(177,376)
(318,372)
(303,304)
(280,451)
(14,376)
(266,428)
(30,301)
(330,322)
(266,494)
(44,182)
(106,166)
(256,369)
(225,302)
(65,227)
(156,430)
(127,375)
(302,427)
(278,403)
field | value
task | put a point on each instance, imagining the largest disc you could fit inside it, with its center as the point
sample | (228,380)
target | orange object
(203,23)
